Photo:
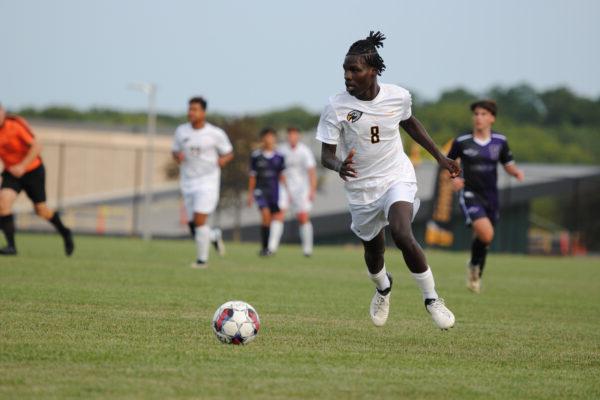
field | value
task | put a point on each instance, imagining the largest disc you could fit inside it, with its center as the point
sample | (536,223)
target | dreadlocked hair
(367,48)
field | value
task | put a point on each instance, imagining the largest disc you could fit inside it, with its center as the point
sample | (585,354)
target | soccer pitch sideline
(128,319)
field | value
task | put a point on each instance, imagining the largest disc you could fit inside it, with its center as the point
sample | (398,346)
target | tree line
(553,126)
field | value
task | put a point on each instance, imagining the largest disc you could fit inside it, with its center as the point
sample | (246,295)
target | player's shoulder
(214,129)
(256,153)
(303,147)
(498,136)
(18,122)
(392,90)
(183,128)
(338,100)
(464,137)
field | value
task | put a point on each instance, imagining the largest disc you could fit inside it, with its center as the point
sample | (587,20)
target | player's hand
(346,169)
(458,184)
(519,175)
(249,200)
(450,165)
(17,170)
(179,157)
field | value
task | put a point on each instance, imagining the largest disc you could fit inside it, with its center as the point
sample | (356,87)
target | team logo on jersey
(495,151)
(354,115)
(470,152)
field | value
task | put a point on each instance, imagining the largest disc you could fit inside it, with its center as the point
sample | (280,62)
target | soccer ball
(236,322)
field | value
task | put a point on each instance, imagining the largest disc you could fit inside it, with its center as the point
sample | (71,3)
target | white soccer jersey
(298,161)
(372,129)
(201,150)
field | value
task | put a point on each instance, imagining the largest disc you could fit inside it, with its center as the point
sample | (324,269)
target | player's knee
(303,218)
(5,208)
(403,238)
(374,249)
(486,237)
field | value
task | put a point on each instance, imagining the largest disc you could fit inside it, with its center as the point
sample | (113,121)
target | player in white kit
(301,177)
(380,180)
(201,150)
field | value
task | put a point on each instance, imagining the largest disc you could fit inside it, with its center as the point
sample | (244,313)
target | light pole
(150,90)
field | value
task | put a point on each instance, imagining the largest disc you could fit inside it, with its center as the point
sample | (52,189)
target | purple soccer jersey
(480,170)
(267,169)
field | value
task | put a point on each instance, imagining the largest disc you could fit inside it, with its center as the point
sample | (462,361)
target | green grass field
(126,319)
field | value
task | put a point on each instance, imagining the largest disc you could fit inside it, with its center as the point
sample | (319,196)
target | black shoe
(265,253)
(69,244)
(386,291)
(8,251)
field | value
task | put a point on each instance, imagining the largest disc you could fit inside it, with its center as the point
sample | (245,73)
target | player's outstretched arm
(312,175)
(417,131)
(225,159)
(329,160)
(512,170)
(251,187)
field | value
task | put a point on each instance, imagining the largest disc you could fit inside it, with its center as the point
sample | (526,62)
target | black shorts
(475,206)
(33,183)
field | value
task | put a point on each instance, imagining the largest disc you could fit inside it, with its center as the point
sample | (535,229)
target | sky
(252,56)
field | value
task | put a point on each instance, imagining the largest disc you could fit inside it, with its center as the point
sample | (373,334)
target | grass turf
(128,319)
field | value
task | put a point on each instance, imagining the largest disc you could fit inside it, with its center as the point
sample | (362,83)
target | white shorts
(201,201)
(298,203)
(369,219)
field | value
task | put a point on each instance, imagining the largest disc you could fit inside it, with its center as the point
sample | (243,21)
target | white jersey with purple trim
(372,128)
(201,150)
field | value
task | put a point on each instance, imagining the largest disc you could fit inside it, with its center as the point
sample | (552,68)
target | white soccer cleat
(473,279)
(380,305)
(440,314)
(199,265)
(218,242)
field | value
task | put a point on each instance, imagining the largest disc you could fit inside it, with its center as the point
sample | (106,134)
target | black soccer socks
(264,236)
(64,232)
(7,225)
(478,254)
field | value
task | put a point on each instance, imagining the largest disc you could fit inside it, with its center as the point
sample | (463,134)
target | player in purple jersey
(480,151)
(266,167)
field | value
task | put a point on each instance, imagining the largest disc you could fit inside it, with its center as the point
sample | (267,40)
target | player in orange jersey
(23,170)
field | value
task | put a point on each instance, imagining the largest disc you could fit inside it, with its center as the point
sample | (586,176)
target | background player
(266,167)
(201,149)
(301,180)
(479,152)
(380,179)
(23,170)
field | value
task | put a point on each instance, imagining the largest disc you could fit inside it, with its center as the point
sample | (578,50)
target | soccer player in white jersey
(301,177)
(201,150)
(380,180)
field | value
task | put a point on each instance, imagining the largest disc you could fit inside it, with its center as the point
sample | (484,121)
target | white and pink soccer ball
(236,322)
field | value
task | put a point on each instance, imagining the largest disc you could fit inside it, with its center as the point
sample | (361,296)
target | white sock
(306,236)
(213,235)
(380,279)
(426,284)
(202,242)
(275,233)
